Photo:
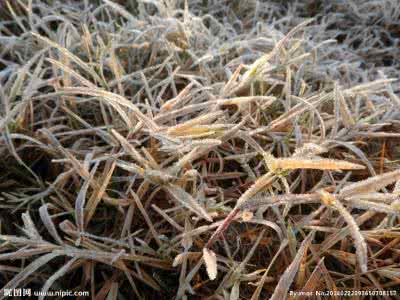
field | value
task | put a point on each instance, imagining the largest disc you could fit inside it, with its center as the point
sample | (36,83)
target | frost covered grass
(199,149)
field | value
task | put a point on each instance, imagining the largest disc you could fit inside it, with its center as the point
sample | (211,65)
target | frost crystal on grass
(210,259)
(141,140)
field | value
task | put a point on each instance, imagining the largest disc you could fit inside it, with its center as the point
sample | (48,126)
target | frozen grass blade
(49,224)
(210,261)
(61,272)
(288,276)
(26,272)
(68,54)
(360,244)
(188,201)
(371,184)
(144,130)
(317,164)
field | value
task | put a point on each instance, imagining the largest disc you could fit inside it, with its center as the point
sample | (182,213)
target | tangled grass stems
(142,140)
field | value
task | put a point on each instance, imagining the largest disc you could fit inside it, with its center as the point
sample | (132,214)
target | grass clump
(199,149)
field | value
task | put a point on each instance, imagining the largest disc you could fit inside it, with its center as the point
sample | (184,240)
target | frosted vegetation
(199,149)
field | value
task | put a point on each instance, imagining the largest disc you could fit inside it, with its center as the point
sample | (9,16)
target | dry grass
(199,149)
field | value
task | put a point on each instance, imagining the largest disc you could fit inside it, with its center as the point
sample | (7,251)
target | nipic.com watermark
(22,292)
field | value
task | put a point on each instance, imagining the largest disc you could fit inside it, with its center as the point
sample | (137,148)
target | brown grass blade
(287,277)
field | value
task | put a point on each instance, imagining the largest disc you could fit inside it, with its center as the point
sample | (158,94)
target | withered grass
(199,149)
